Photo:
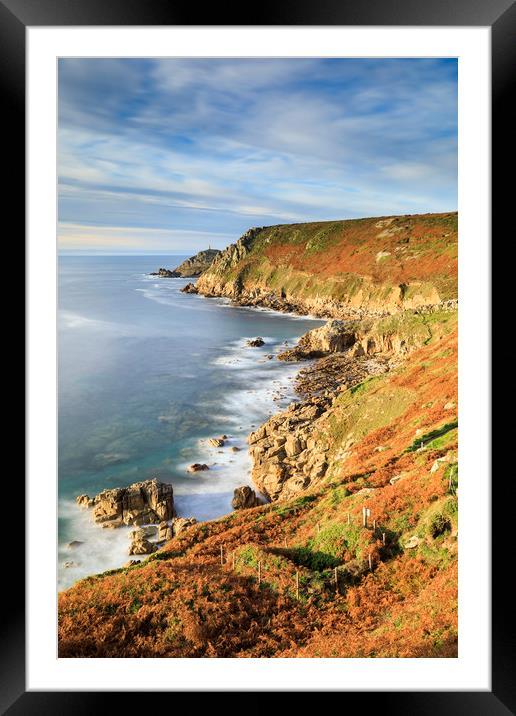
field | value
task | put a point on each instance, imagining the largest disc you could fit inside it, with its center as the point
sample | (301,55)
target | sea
(146,375)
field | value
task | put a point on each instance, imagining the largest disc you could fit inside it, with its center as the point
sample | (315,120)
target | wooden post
(383,538)
(233,560)
(285,543)
(318,528)
(221,554)
(336,581)
(374,525)
(370,563)
(297,586)
(259,573)
(349,519)
(365,514)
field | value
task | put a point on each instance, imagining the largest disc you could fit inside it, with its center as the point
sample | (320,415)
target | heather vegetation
(363,263)
(306,577)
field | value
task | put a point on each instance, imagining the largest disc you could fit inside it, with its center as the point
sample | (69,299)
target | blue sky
(170,155)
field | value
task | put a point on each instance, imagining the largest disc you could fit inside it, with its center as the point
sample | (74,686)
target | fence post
(233,560)
(297,586)
(336,581)
(221,554)
(365,514)
(370,563)
(259,573)
(383,538)
(285,540)
(349,519)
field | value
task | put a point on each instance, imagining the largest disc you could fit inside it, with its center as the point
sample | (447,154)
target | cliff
(310,441)
(338,269)
(359,562)
(356,553)
(191,267)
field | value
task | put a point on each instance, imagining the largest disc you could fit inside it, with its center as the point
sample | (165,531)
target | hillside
(303,576)
(355,267)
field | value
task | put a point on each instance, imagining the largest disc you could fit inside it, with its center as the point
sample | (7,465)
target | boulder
(244,497)
(180,524)
(74,544)
(84,501)
(142,546)
(132,562)
(189,288)
(334,337)
(165,532)
(413,542)
(216,442)
(142,503)
(141,532)
(256,342)
(197,467)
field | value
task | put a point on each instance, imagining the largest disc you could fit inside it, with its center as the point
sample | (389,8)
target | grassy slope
(183,602)
(362,259)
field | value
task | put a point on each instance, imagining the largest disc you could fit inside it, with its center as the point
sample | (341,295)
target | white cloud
(83,236)
(200,144)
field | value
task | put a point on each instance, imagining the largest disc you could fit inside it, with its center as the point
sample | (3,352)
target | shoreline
(86,530)
(303,399)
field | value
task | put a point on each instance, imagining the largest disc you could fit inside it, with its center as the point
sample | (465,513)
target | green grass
(358,413)
(289,507)
(435,439)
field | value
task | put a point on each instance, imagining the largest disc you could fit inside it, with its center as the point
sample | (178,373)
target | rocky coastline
(191,267)
(289,452)
(229,276)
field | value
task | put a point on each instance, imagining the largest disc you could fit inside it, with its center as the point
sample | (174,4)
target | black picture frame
(500,16)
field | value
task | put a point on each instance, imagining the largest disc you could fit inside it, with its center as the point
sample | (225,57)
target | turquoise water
(146,375)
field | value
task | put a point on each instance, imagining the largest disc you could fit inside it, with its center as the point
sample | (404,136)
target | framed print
(258,283)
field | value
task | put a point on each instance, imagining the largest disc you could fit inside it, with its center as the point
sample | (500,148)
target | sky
(174,155)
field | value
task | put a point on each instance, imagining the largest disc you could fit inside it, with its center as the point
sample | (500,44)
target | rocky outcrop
(84,501)
(180,524)
(147,531)
(193,266)
(142,503)
(197,467)
(217,442)
(189,288)
(336,372)
(141,545)
(165,273)
(334,337)
(341,269)
(286,456)
(165,532)
(244,498)
(256,342)
(290,452)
